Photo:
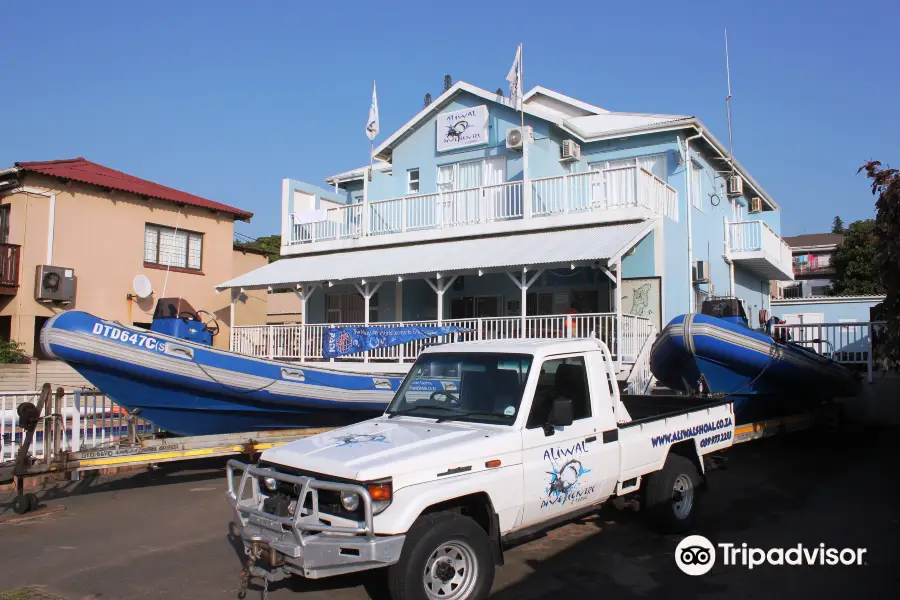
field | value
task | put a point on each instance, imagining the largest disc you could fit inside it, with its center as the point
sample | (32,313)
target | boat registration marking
(136,339)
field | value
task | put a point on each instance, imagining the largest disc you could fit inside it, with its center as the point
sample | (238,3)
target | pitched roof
(592,126)
(814,239)
(85,171)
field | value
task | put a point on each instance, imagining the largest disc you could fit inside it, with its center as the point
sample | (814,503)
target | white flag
(372,123)
(514,77)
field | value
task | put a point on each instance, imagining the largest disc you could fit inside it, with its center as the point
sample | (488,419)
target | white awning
(544,249)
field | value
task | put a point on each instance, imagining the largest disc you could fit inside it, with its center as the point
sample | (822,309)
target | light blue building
(625,219)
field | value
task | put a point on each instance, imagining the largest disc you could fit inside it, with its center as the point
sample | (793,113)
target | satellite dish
(142,286)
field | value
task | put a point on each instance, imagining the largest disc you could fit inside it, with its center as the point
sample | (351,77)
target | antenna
(728,105)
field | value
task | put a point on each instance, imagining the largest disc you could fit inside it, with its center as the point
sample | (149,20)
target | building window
(412,181)
(4,224)
(697,186)
(169,247)
(350,308)
(654,163)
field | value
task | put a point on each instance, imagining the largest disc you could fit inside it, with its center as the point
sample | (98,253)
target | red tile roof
(85,171)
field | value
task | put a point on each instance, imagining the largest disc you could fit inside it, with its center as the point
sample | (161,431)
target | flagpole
(522,83)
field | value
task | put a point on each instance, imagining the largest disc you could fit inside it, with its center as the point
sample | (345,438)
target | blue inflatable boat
(716,352)
(173,377)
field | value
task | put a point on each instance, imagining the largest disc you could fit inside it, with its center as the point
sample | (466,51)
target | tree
(270,244)
(837,226)
(448,82)
(427,100)
(856,272)
(886,185)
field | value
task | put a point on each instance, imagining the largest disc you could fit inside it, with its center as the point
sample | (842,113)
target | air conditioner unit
(736,185)
(515,137)
(54,284)
(701,272)
(570,150)
(755,205)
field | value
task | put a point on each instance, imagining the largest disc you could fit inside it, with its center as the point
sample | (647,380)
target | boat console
(726,308)
(177,318)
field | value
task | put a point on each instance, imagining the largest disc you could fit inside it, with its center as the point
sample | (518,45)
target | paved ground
(165,534)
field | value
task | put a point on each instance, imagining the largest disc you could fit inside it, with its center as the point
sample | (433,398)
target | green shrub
(12,353)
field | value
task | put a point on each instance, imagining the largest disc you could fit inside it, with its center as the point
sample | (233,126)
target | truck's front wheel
(446,556)
(671,495)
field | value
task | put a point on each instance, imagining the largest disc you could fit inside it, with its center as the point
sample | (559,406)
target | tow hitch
(260,552)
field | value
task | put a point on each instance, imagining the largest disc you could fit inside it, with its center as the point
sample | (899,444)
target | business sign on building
(462,128)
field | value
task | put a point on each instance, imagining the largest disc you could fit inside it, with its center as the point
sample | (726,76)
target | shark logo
(356,439)
(566,484)
(456,130)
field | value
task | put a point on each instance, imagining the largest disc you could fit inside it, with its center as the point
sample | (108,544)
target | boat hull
(765,377)
(192,389)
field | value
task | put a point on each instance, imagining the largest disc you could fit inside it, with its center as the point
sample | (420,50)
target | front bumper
(305,544)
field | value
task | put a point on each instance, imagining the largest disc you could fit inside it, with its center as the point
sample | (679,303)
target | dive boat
(172,376)
(716,352)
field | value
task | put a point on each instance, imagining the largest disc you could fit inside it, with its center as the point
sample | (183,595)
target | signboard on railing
(462,128)
(340,341)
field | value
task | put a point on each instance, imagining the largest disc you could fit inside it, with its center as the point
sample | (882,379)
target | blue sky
(224,99)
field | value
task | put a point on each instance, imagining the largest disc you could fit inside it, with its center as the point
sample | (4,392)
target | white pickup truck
(483,442)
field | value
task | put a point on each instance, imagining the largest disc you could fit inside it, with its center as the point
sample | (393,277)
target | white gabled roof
(498,253)
(597,126)
(560,103)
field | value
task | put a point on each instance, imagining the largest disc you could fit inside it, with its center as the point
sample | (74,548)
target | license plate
(265,523)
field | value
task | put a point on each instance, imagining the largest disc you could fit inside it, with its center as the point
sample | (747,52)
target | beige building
(108,227)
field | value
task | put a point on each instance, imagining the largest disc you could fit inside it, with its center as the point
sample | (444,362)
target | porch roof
(541,249)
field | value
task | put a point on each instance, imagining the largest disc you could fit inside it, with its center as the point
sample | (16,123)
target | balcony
(753,245)
(608,194)
(9,269)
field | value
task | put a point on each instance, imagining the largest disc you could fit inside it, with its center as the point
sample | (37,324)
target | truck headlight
(350,500)
(382,493)
(271,483)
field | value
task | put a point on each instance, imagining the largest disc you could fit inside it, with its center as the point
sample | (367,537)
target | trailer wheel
(671,495)
(33,501)
(446,556)
(21,505)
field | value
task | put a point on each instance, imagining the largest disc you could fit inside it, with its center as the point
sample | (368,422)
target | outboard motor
(177,318)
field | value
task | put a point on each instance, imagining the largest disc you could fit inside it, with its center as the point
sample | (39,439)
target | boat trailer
(129,451)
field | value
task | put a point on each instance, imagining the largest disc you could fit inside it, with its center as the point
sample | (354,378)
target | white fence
(88,419)
(846,343)
(608,189)
(298,342)
(756,236)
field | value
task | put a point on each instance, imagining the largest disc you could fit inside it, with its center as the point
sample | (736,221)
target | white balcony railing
(291,342)
(625,187)
(756,236)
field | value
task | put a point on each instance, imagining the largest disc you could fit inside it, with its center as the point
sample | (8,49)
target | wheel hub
(682,496)
(450,572)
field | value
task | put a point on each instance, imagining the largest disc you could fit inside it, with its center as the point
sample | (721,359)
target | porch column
(619,327)
(439,289)
(523,283)
(367,292)
(364,220)
(304,294)
(231,320)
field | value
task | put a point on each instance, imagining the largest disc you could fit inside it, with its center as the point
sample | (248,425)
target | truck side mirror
(561,414)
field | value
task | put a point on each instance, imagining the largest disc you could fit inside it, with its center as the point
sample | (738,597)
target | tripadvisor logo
(696,555)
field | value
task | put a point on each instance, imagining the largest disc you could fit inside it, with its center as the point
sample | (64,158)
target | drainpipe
(51,220)
(689,167)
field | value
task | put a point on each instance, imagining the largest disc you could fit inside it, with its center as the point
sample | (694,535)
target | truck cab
(484,441)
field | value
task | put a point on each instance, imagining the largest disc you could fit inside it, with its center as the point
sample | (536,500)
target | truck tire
(671,495)
(446,556)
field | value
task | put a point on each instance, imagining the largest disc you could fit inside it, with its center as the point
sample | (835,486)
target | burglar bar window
(168,247)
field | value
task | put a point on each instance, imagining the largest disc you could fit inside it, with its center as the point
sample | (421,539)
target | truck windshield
(467,387)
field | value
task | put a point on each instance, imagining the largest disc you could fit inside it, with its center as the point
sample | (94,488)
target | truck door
(563,471)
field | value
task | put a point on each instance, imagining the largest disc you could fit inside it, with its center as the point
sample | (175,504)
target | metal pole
(303,298)
(524,289)
(231,321)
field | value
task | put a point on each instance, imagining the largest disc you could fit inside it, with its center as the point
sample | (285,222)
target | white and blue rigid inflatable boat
(172,376)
